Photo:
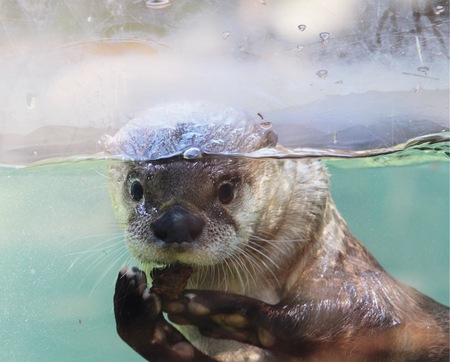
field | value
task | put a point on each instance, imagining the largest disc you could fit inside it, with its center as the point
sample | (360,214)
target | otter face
(196,212)
(211,211)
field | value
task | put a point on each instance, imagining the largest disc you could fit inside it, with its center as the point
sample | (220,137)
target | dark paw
(225,316)
(135,308)
(141,324)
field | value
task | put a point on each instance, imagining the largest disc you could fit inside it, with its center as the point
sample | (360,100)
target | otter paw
(225,316)
(135,308)
(141,324)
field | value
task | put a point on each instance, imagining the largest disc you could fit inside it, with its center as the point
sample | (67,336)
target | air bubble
(300,47)
(423,69)
(325,36)
(263,2)
(192,153)
(439,9)
(226,35)
(322,74)
(302,27)
(30,101)
(157,4)
(266,125)
(418,88)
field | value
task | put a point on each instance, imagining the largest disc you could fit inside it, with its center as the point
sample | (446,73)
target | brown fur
(282,243)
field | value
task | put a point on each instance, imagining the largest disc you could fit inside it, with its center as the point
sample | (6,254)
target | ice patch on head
(170,129)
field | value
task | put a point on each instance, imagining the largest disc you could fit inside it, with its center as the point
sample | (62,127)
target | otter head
(204,210)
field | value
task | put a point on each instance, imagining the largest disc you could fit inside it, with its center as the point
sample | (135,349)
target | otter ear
(270,139)
(106,143)
(267,137)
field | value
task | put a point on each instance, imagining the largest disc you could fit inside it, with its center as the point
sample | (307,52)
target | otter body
(277,274)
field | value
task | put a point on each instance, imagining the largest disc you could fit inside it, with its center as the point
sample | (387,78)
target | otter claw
(141,324)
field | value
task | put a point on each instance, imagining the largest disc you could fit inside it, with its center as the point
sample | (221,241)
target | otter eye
(136,190)
(226,193)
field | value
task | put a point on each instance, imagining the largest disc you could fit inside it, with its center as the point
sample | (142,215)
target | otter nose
(178,225)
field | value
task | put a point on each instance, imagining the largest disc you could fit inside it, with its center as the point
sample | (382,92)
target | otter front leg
(324,331)
(141,324)
(230,316)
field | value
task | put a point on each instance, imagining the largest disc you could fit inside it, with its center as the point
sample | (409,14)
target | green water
(61,250)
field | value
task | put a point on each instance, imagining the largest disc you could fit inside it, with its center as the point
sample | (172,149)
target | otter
(276,273)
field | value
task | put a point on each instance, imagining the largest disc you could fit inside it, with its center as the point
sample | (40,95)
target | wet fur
(340,301)
(282,242)
(298,253)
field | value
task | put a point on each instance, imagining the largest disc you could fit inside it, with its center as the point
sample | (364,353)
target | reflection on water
(62,249)
(92,64)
